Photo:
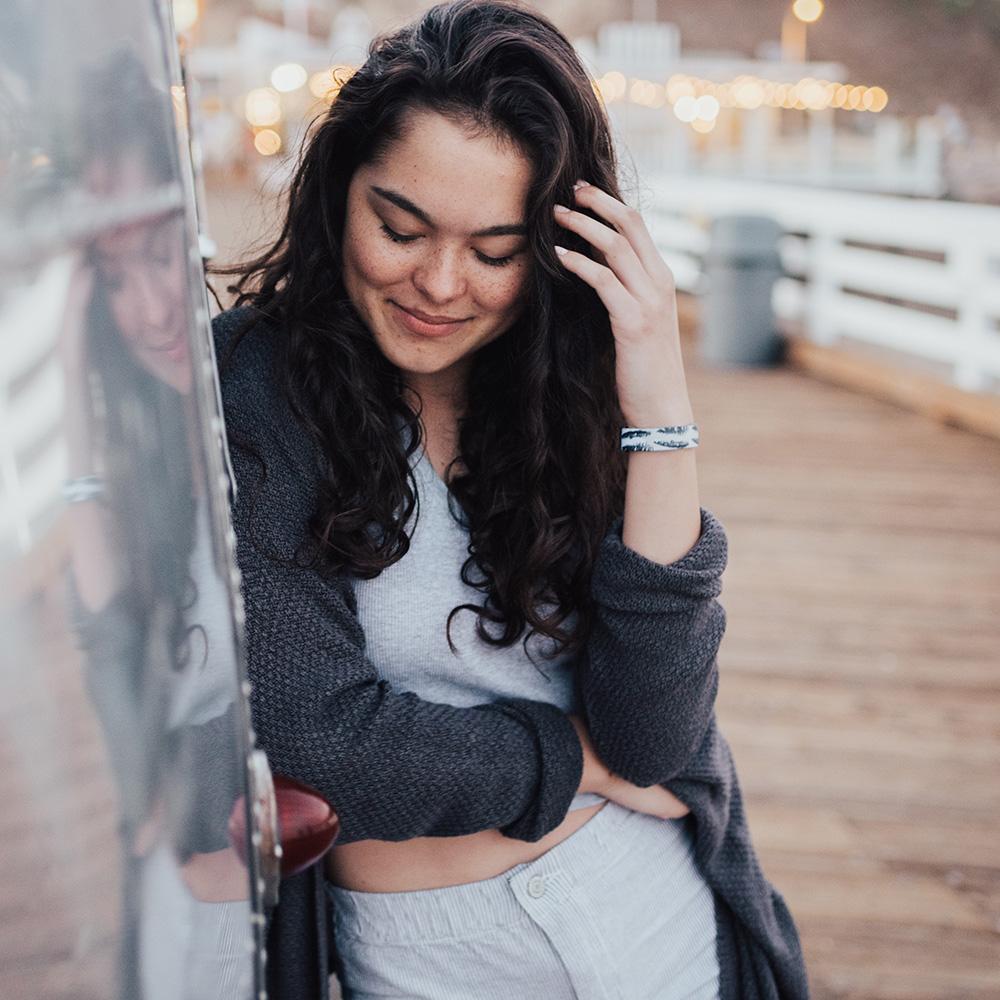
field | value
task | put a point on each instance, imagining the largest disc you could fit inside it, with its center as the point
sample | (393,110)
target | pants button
(536,886)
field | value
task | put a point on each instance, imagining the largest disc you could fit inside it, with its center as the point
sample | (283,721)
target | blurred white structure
(277,64)
(917,276)
(819,137)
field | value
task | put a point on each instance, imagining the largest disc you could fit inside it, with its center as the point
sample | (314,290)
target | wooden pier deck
(861,674)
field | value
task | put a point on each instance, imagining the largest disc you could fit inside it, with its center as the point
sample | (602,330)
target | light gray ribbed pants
(617,911)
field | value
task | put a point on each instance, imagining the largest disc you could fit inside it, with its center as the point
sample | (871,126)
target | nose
(440,276)
(154,306)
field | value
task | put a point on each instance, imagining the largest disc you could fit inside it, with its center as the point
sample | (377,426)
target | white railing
(918,276)
(30,322)
(894,156)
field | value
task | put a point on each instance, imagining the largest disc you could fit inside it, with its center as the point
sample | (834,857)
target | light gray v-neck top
(403,612)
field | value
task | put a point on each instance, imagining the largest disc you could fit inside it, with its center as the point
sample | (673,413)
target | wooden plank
(871,960)
(953,846)
(979,412)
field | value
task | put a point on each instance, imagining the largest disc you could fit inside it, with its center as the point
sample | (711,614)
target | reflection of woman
(426,400)
(152,613)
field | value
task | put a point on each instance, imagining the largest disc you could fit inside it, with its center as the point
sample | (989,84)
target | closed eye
(397,237)
(485,258)
(495,261)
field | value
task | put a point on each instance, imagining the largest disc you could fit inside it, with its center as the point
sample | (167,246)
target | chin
(420,362)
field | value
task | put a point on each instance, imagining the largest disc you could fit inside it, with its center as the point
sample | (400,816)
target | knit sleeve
(392,765)
(648,676)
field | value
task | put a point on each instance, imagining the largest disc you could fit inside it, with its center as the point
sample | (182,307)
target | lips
(175,350)
(170,345)
(425,324)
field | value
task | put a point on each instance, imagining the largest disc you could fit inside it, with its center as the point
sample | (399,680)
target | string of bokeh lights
(693,100)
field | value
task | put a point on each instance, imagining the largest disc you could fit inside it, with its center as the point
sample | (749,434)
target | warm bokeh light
(812,93)
(326,84)
(185,14)
(178,98)
(700,125)
(707,108)
(288,77)
(876,99)
(686,108)
(267,142)
(807,10)
(612,86)
(320,84)
(679,86)
(263,107)
(749,92)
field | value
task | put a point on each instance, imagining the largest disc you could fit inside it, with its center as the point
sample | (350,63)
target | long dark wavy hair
(544,476)
(142,430)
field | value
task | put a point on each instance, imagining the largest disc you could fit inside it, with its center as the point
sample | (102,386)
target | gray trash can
(741,266)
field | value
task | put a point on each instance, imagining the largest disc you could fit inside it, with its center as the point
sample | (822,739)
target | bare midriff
(436,862)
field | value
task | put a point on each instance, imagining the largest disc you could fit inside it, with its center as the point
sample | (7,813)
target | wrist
(669,409)
(669,405)
(595,776)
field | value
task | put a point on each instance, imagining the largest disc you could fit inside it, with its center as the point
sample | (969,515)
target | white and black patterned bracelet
(669,438)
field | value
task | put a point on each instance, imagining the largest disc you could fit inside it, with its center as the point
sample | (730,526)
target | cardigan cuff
(625,580)
(560,768)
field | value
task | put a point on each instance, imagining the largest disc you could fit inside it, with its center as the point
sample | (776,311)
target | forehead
(131,244)
(464,180)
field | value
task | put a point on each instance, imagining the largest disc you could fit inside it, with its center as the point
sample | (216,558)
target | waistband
(458,911)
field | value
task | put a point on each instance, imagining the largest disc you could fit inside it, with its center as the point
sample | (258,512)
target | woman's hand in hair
(637,288)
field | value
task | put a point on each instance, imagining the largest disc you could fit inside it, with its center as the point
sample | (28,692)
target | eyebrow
(397,199)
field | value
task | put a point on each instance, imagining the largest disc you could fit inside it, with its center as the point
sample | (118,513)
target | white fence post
(967,262)
(822,293)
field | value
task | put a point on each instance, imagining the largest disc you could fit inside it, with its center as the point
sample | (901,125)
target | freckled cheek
(373,263)
(502,293)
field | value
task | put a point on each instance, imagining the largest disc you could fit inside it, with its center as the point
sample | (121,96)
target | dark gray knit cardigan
(396,767)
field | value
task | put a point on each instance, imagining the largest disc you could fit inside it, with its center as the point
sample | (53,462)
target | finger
(628,221)
(618,251)
(622,306)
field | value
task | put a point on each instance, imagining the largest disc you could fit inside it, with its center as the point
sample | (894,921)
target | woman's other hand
(654,801)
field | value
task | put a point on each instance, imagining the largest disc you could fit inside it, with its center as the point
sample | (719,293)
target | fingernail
(579,184)
(560,208)
(562,251)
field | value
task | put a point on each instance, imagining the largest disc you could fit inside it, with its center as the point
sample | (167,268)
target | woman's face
(142,270)
(436,259)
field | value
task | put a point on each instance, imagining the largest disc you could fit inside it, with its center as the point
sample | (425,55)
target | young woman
(479,627)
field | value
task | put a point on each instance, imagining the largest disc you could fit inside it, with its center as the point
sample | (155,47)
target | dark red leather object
(307,822)
(307,826)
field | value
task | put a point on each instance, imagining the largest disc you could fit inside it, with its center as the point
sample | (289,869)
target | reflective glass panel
(123,721)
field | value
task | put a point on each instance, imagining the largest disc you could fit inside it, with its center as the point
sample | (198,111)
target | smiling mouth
(420,323)
(169,347)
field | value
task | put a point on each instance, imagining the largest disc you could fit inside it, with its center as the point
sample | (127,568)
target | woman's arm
(648,676)
(393,765)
